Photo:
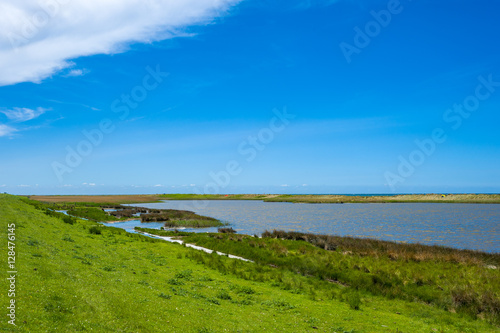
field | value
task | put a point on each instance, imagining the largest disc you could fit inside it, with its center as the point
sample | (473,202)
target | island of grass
(181,218)
(91,213)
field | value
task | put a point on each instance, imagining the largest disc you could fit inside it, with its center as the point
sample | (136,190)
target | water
(470,226)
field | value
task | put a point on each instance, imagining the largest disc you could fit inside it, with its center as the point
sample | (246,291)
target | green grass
(91,213)
(71,279)
(455,280)
(193,223)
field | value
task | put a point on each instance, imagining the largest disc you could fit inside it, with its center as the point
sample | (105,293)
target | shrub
(184,274)
(226,230)
(353,300)
(95,230)
(223,295)
(175,282)
(165,296)
(69,220)
(245,290)
(279,304)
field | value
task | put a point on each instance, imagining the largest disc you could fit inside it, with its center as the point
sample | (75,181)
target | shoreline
(118,221)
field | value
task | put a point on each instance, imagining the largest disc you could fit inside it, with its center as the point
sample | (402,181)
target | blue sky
(250,96)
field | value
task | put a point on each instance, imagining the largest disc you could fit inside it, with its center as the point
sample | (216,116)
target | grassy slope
(447,278)
(70,280)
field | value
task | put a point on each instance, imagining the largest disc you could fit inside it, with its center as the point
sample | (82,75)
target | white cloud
(37,39)
(75,72)
(6,130)
(23,114)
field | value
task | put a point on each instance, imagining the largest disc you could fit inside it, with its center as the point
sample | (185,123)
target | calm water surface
(471,226)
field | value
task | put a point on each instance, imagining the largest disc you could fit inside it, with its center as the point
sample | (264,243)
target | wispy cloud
(6,130)
(20,115)
(76,72)
(32,49)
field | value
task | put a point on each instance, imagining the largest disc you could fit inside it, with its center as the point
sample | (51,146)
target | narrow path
(196,247)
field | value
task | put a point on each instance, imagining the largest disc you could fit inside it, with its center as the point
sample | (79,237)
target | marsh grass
(180,218)
(393,250)
(91,213)
(449,279)
(192,223)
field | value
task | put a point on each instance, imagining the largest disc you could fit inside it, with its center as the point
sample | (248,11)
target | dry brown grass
(125,199)
(446,198)
(115,199)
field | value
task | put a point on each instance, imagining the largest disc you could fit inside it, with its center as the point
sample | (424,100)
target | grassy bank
(79,276)
(462,281)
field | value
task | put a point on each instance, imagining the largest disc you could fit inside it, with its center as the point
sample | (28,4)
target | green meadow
(75,275)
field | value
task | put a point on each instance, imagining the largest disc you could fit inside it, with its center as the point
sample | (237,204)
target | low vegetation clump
(91,213)
(123,213)
(226,230)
